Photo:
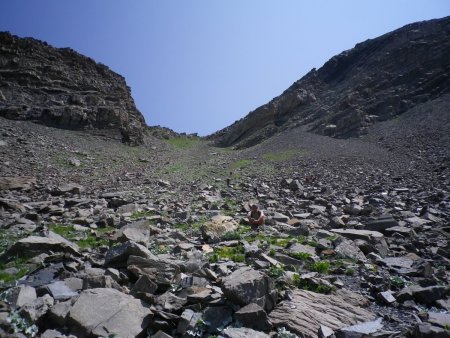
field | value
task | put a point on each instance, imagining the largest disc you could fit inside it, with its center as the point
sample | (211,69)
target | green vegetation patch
(8,238)
(239,164)
(183,142)
(275,271)
(142,214)
(281,156)
(305,284)
(14,270)
(303,256)
(233,253)
(84,239)
(273,240)
(321,267)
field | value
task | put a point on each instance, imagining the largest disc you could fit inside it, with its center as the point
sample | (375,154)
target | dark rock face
(64,89)
(376,80)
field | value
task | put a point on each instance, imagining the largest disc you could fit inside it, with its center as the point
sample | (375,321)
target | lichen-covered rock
(217,227)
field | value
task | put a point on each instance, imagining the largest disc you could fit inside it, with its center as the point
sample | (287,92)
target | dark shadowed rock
(253,316)
(118,256)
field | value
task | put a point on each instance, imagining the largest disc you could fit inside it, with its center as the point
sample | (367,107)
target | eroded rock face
(374,81)
(307,310)
(61,88)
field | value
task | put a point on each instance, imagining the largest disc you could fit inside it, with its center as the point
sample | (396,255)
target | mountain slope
(62,88)
(376,80)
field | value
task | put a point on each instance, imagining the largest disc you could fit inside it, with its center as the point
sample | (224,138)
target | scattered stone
(17,182)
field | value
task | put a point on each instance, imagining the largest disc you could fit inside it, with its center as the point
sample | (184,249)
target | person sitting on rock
(256,217)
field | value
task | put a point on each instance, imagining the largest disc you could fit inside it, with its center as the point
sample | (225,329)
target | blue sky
(199,65)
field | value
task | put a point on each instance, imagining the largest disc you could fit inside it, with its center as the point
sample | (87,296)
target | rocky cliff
(376,80)
(62,88)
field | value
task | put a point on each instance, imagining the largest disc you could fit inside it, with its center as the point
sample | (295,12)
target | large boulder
(246,285)
(35,245)
(374,238)
(103,312)
(160,270)
(307,311)
(117,257)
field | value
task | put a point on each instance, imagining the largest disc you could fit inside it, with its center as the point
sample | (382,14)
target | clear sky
(199,65)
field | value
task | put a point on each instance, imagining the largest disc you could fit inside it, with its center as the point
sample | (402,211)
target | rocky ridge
(375,81)
(62,88)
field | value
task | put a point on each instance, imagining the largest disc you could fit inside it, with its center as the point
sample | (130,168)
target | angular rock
(381,223)
(217,317)
(439,319)
(386,297)
(138,232)
(243,332)
(373,237)
(246,285)
(425,295)
(144,284)
(60,290)
(346,248)
(21,295)
(102,312)
(58,313)
(17,182)
(36,310)
(188,321)
(69,188)
(307,311)
(279,217)
(426,330)
(361,330)
(161,271)
(253,316)
(118,256)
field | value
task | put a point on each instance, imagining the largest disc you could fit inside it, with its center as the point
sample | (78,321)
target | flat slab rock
(102,312)
(307,311)
(17,182)
(37,244)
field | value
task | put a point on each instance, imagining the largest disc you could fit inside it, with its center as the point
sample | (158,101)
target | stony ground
(102,239)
